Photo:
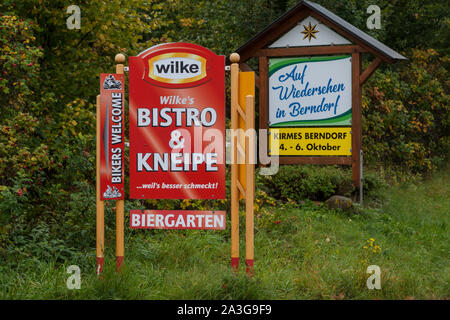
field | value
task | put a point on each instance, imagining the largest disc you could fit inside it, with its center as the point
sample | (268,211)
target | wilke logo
(177,68)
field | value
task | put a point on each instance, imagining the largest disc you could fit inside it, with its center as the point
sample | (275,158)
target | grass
(306,252)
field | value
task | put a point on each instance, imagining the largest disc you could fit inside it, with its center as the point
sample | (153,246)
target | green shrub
(19,64)
(307,182)
(317,183)
(406,118)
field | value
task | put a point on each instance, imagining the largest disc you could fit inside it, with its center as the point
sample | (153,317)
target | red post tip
(235,264)
(99,268)
(119,261)
(249,269)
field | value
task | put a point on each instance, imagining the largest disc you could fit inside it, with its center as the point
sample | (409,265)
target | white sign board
(315,91)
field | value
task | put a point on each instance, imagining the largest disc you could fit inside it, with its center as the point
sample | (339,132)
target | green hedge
(301,182)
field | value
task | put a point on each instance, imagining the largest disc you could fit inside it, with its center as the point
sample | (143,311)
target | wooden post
(263,92)
(242,175)
(356,118)
(246,87)
(234,58)
(120,246)
(250,183)
(242,124)
(100,217)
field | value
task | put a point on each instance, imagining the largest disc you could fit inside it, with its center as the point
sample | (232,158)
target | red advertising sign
(174,219)
(177,123)
(112,136)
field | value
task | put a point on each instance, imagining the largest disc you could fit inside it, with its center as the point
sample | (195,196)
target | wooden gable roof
(307,8)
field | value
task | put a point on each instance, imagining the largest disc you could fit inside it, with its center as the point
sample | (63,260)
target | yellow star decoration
(310,32)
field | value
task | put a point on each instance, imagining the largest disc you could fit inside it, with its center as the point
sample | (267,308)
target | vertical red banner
(177,123)
(112,95)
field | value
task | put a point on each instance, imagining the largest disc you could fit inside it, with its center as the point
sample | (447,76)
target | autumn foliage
(49,80)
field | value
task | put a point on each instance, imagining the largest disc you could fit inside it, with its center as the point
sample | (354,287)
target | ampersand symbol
(175,141)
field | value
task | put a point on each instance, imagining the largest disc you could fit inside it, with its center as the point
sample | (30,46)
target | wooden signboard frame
(361,43)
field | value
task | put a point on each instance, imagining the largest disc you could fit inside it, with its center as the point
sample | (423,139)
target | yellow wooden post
(234,58)
(246,87)
(242,148)
(246,170)
(100,217)
(250,182)
(120,246)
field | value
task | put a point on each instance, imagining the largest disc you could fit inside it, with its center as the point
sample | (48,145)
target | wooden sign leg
(120,250)
(356,118)
(234,58)
(100,217)
(120,246)
(250,183)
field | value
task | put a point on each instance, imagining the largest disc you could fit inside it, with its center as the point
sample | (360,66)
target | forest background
(49,79)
